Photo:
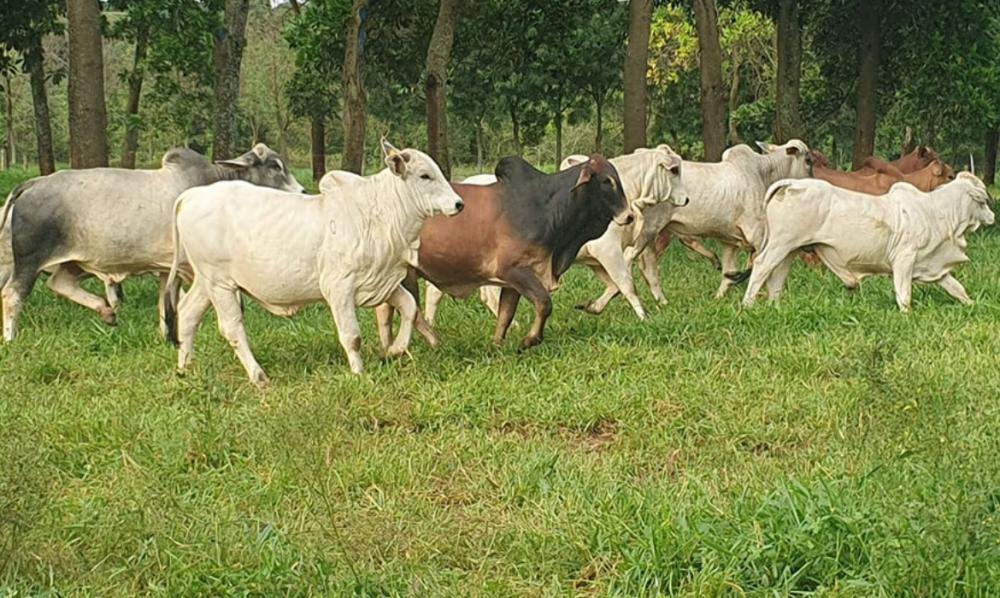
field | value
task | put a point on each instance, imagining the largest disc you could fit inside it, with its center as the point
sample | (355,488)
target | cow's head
(668,166)
(978,198)
(262,166)
(598,183)
(941,173)
(423,182)
(793,159)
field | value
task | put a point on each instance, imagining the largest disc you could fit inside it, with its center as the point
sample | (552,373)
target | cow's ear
(396,163)
(584,178)
(247,160)
(764,146)
(792,150)
(922,151)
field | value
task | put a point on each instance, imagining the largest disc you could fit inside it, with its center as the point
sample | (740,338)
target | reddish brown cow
(885,175)
(521,233)
(919,158)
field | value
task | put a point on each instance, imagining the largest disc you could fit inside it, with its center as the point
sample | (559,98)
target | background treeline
(119,82)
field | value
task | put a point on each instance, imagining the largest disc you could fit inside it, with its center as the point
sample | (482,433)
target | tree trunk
(734,94)
(868,55)
(640,17)
(227,55)
(599,137)
(713,92)
(317,135)
(8,119)
(88,138)
(516,129)
(559,131)
(35,58)
(787,118)
(355,98)
(131,143)
(990,169)
(479,145)
(438,55)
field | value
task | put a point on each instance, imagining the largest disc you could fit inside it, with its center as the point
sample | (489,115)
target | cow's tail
(172,290)
(9,206)
(741,277)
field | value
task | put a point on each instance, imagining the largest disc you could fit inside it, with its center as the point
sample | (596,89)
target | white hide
(912,235)
(727,199)
(348,246)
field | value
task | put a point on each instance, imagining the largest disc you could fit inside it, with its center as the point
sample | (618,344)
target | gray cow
(108,222)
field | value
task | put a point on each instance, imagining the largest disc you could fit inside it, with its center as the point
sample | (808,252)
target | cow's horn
(972,164)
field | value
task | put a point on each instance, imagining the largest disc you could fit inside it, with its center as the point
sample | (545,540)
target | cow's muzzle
(459,206)
(681,203)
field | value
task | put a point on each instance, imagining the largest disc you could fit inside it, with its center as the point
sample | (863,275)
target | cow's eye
(676,170)
(426,177)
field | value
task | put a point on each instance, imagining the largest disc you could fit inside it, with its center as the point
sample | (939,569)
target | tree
(787,118)
(713,93)
(603,34)
(25,24)
(355,99)
(438,54)
(869,17)
(227,56)
(88,137)
(640,16)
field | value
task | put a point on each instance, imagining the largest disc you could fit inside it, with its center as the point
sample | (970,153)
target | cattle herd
(245,227)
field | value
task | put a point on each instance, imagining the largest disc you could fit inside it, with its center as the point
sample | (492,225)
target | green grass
(828,445)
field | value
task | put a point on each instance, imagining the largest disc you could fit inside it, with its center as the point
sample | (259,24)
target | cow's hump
(179,157)
(515,168)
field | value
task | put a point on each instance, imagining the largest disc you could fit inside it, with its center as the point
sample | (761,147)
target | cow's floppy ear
(922,151)
(584,178)
(394,159)
(792,150)
(245,161)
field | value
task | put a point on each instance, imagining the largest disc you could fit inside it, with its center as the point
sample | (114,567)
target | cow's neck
(773,167)
(393,210)
(214,173)
(571,223)
(946,203)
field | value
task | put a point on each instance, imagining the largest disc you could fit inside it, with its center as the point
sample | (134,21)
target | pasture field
(828,445)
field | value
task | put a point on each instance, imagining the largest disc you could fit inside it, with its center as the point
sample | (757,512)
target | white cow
(907,233)
(653,186)
(727,202)
(348,246)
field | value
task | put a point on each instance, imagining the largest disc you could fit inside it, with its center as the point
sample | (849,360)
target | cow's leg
(698,247)
(770,260)
(611,291)
(14,293)
(411,284)
(431,302)
(490,296)
(114,294)
(902,280)
(190,311)
(345,316)
(729,255)
(506,310)
(383,322)
(403,301)
(526,283)
(65,281)
(776,281)
(161,301)
(618,271)
(954,288)
(230,315)
(649,265)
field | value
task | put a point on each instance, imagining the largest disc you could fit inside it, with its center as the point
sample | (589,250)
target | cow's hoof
(588,308)
(261,382)
(530,341)
(109,317)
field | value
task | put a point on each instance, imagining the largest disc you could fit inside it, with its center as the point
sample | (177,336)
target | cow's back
(107,219)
